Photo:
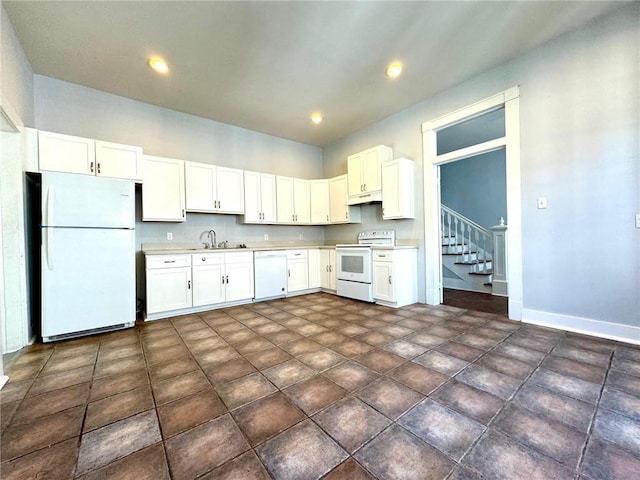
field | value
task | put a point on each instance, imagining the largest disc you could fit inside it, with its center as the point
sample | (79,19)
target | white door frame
(510,99)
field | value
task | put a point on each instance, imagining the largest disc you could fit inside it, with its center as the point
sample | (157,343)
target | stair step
(486,272)
(472,262)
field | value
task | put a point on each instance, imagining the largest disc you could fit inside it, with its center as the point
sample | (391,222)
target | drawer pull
(169,261)
(389,279)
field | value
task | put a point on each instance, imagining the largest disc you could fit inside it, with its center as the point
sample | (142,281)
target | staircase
(467,253)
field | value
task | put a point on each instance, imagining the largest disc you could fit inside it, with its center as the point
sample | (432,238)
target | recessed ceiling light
(158,64)
(394,70)
(316,118)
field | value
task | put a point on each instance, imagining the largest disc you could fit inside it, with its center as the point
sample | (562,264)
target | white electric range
(354,264)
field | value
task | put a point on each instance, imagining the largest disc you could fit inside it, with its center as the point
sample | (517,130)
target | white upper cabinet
(118,161)
(66,153)
(364,170)
(339,209)
(397,189)
(293,200)
(259,197)
(214,189)
(319,192)
(163,190)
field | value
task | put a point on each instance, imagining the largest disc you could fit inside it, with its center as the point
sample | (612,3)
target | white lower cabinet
(168,283)
(177,283)
(313,257)
(298,270)
(208,279)
(395,277)
(328,268)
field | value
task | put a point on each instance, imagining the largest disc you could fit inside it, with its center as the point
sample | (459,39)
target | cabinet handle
(91,167)
(326,268)
(222,281)
(169,261)
(389,279)
(327,218)
(331,268)
(98,167)
(227,279)
(183,213)
(382,256)
(346,215)
(361,187)
(289,273)
(189,284)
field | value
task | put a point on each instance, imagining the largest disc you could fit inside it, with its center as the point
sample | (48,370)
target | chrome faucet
(211,234)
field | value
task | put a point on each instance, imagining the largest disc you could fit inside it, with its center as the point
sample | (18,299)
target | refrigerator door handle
(49,247)
(49,206)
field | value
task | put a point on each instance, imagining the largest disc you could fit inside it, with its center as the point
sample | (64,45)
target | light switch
(542,202)
(169,236)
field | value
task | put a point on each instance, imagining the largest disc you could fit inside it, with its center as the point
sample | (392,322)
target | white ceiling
(267,66)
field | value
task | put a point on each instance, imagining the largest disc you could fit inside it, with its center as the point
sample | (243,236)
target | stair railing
(465,233)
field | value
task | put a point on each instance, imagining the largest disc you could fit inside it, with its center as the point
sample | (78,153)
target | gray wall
(579,109)
(16,75)
(476,187)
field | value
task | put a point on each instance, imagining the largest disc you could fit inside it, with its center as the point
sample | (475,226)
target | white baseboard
(586,326)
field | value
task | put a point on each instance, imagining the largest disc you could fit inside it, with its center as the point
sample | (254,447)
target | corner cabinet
(364,170)
(339,209)
(395,277)
(163,190)
(85,156)
(293,200)
(259,198)
(319,193)
(212,189)
(397,189)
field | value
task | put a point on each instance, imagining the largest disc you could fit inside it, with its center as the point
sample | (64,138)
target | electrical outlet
(300,237)
(637,220)
(542,202)
(266,236)
(169,236)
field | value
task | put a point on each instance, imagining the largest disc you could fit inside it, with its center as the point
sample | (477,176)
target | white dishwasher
(270,270)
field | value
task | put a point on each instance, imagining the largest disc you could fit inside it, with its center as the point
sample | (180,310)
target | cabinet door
(338,199)
(371,171)
(298,275)
(315,268)
(301,201)
(118,161)
(252,209)
(168,289)
(163,190)
(64,153)
(397,189)
(319,193)
(332,269)
(383,288)
(268,198)
(230,188)
(284,199)
(354,174)
(200,186)
(239,281)
(325,281)
(208,286)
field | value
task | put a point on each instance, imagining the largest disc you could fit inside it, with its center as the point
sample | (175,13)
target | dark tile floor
(319,386)
(479,302)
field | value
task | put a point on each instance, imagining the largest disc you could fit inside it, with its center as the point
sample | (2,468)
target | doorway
(435,136)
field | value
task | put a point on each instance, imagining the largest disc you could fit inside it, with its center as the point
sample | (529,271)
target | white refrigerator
(87,255)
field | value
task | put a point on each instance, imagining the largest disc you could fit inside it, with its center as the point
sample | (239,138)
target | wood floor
(480,302)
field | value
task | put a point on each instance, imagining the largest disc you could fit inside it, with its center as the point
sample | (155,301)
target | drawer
(383,256)
(294,254)
(207,259)
(238,257)
(167,261)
